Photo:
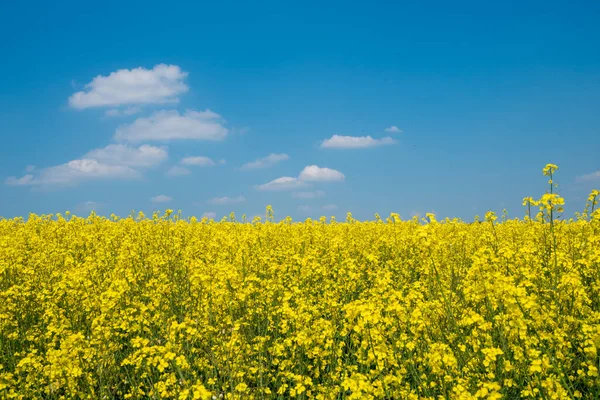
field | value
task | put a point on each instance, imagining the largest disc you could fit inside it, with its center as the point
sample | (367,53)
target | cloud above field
(200,161)
(310,174)
(283,183)
(161,198)
(393,129)
(167,125)
(355,142)
(591,177)
(314,173)
(159,85)
(267,161)
(210,215)
(115,161)
(227,200)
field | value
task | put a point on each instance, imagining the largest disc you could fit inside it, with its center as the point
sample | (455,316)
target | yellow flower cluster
(172,308)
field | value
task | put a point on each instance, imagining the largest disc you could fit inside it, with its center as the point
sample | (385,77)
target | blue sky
(230,106)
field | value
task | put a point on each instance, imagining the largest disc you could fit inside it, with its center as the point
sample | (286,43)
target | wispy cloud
(161,198)
(267,161)
(159,85)
(591,177)
(355,142)
(283,183)
(393,129)
(89,206)
(200,161)
(117,162)
(210,215)
(309,174)
(171,125)
(227,200)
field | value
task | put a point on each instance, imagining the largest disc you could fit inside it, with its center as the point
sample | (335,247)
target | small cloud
(161,198)
(176,170)
(171,125)
(222,161)
(591,177)
(314,173)
(159,85)
(393,129)
(267,161)
(30,168)
(283,183)
(89,206)
(308,195)
(311,173)
(304,209)
(329,207)
(200,161)
(227,200)
(210,215)
(355,142)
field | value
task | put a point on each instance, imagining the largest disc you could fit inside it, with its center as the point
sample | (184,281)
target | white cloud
(227,200)
(589,177)
(75,171)
(170,125)
(314,173)
(119,154)
(308,195)
(115,112)
(114,161)
(304,208)
(30,168)
(176,170)
(210,215)
(159,85)
(283,183)
(267,161)
(89,206)
(355,142)
(393,129)
(329,207)
(311,173)
(161,198)
(199,161)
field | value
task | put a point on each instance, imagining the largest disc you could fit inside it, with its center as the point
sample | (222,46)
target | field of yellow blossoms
(163,307)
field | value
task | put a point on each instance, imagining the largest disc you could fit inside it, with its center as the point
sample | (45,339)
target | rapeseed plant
(164,307)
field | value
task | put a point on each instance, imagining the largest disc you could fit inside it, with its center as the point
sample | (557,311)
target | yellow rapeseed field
(169,308)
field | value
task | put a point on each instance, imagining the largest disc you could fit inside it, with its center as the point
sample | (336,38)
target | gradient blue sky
(485,95)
